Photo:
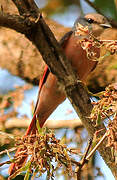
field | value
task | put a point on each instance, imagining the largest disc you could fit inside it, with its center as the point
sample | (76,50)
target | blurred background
(21,64)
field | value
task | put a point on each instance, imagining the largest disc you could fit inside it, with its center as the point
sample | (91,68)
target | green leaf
(98,122)
(27,175)
(27,166)
(38,127)
(19,171)
(107,7)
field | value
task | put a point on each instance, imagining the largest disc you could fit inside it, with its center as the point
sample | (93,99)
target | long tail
(31,130)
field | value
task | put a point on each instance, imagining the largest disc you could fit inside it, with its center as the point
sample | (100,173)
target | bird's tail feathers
(32,127)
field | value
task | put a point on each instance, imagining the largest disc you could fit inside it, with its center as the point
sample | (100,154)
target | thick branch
(52,124)
(53,55)
(25,7)
(14,22)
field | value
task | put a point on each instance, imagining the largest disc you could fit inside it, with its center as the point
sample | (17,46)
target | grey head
(96,23)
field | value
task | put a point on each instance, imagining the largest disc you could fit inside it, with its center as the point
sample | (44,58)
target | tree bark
(21,58)
(38,32)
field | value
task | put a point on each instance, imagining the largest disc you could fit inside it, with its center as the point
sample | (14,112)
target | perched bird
(50,94)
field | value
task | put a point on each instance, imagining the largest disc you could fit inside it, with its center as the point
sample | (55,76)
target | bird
(50,93)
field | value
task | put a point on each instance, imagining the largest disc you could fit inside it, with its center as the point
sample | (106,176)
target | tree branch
(14,22)
(25,7)
(54,57)
(52,124)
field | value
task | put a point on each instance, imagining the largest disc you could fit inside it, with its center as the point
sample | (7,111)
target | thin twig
(9,150)
(6,162)
(87,150)
(75,162)
(83,161)
(7,135)
(87,157)
(96,147)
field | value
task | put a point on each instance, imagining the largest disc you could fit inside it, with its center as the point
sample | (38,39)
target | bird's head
(96,23)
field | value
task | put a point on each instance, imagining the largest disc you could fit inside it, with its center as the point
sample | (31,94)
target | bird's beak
(105,26)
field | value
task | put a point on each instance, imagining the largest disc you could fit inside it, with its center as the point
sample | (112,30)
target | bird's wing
(41,83)
(45,75)
(65,38)
(62,42)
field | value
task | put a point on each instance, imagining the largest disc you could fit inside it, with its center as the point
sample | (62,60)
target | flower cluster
(90,43)
(43,150)
(106,106)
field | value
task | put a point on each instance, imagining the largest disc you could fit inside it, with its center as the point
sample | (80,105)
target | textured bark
(21,58)
(44,40)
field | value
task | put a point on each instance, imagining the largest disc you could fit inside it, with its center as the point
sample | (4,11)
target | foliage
(108,7)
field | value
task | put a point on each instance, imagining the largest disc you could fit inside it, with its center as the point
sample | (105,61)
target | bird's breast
(78,57)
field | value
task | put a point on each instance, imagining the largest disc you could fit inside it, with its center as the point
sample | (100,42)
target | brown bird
(50,94)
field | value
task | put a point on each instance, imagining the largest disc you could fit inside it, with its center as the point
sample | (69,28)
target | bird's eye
(90,21)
